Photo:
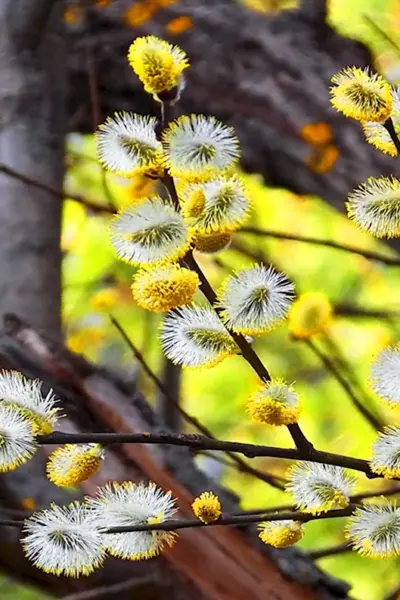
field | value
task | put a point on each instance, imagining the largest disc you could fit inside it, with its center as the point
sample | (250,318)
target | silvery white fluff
(195,145)
(226,206)
(255,300)
(127,143)
(193,336)
(63,540)
(386,453)
(374,530)
(127,503)
(385,375)
(318,487)
(17,442)
(149,232)
(17,390)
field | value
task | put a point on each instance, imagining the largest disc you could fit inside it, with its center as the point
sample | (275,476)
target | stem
(330,551)
(199,442)
(174,525)
(334,371)
(388,125)
(371,255)
(243,519)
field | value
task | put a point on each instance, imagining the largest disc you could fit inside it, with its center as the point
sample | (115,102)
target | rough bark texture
(214,564)
(33,122)
(268,76)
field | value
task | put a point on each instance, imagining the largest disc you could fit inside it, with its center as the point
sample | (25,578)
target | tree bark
(33,125)
(268,76)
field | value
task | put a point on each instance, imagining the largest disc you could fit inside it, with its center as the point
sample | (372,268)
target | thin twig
(243,466)
(370,254)
(199,442)
(330,551)
(90,204)
(338,356)
(394,594)
(242,519)
(334,371)
(388,125)
(108,590)
(174,525)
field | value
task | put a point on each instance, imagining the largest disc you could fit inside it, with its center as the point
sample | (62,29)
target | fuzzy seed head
(361,95)
(74,463)
(150,232)
(26,396)
(385,375)
(198,147)
(17,441)
(127,145)
(374,530)
(158,64)
(309,315)
(226,208)
(127,503)
(274,403)
(317,488)
(207,507)
(281,534)
(386,453)
(375,206)
(63,540)
(255,300)
(377,135)
(193,336)
(164,287)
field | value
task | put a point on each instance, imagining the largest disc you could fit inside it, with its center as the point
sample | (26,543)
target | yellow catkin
(274,403)
(281,534)
(164,287)
(207,507)
(361,95)
(72,464)
(158,64)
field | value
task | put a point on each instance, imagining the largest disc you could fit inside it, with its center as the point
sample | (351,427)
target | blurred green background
(95,284)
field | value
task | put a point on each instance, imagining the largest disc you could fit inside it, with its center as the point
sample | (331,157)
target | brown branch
(90,204)
(330,551)
(371,255)
(174,525)
(242,519)
(108,590)
(199,442)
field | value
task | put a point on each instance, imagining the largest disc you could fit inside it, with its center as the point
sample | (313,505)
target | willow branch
(199,442)
(28,180)
(330,551)
(176,524)
(369,254)
(242,465)
(388,125)
(334,371)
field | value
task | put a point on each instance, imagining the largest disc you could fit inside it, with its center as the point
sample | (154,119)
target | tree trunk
(268,76)
(33,125)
